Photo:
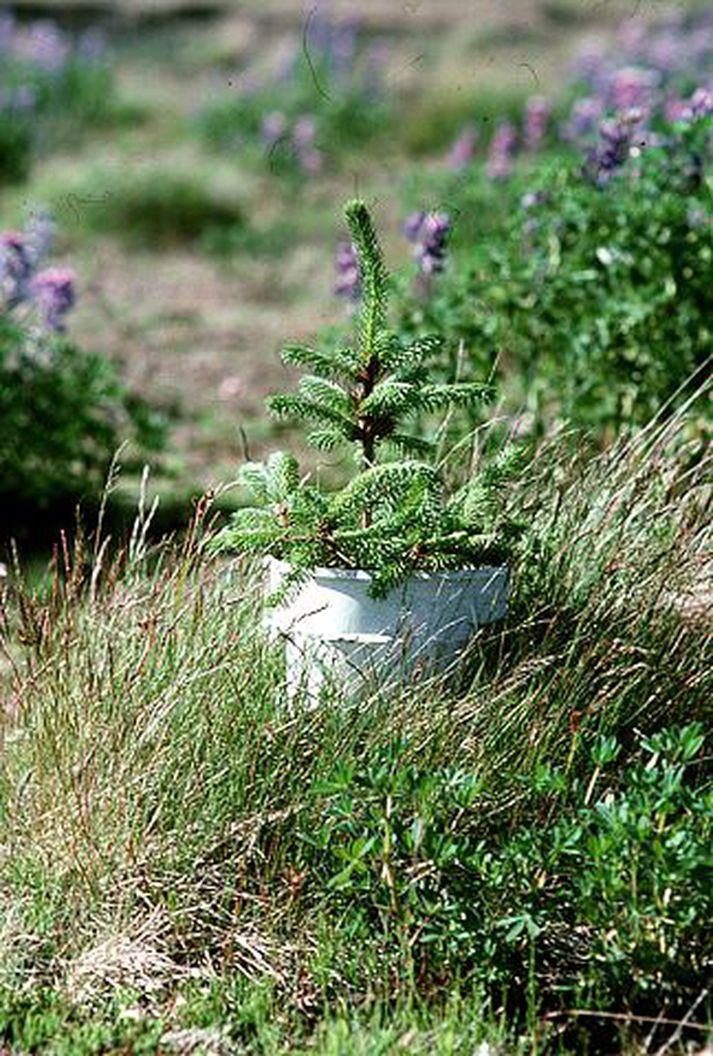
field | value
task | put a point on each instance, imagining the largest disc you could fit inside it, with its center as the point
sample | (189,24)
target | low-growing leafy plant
(609,898)
(394,515)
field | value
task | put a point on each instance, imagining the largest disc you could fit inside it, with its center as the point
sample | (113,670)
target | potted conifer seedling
(391,570)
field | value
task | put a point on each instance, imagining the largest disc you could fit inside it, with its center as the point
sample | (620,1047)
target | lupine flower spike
(462,152)
(50,292)
(537,118)
(15,268)
(429,234)
(502,148)
(53,292)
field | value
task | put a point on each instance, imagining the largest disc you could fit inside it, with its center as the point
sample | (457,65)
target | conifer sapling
(393,517)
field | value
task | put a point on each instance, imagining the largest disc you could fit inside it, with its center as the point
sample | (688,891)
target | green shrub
(16,142)
(65,413)
(591,299)
(160,206)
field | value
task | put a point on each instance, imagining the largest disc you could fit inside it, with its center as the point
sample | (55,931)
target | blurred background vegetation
(194,158)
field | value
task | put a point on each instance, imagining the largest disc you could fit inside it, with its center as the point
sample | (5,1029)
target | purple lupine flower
(304,131)
(615,144)
(434,234)
(47,45)
(500,153)
(698,106)
(274,126)
(348,281)
(311,161)
(613,149)
(412,225)
(584,119)
(463,149)
(537,117)
(303,137)
(675,109)
(53,292)
(701,104)
(15,268)
(429,234)
(634,87)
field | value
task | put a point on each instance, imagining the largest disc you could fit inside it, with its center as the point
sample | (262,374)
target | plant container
(334,629)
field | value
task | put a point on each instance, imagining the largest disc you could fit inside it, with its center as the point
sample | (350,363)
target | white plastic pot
(334,628)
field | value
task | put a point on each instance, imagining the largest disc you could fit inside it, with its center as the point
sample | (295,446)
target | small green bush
(159,206)
(16,144)
(590,299)
(64,413)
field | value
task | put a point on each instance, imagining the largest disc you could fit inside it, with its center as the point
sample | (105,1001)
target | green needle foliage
(364,395)
(394,516)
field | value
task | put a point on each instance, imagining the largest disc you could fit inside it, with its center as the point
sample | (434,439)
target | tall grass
(156,795)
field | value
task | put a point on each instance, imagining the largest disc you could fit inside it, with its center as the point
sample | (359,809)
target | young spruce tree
(393,517)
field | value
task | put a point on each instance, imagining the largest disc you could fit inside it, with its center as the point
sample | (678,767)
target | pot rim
(453,575)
